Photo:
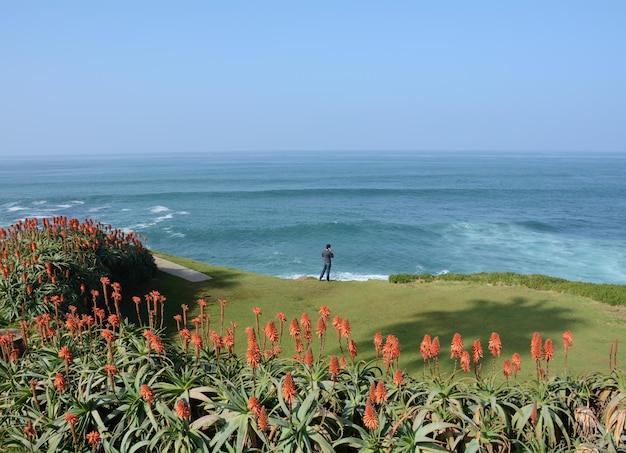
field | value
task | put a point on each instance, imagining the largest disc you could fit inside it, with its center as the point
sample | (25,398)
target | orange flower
(535,347)
(495,345)
(456,348)
(506,368)
(397,378)
(289,389)
(370,419)
(59,382)
(435,347)
(477,351)
(294,329)
(157,344)
(270,332)
(147,394)
(110,369)
(465,361)
(305,321)
(196,340)
(324,313)
(548,350)
(381,393)
(425,347)
(108,335)
(321,327)
(352,349)
(378,343)
(308,357)
(114,320)
(71,419)
(218,342)
(346,330)
(333,367)
(391,350)
(182,410)
(263,421)
(568,340)
(257,311)
(516,361)
(65,353)
(254,406)
(93,438)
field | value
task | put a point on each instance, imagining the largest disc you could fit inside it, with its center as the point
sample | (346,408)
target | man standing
(327,254)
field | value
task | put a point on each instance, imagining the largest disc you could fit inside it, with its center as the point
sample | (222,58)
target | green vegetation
(606,293)
(245,362)
(57,264)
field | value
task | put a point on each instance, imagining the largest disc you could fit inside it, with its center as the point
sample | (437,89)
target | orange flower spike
(254,406)
(568,340)
(477,351)
(516,361)
(271,333)
(381,392)
(397,378)
(346,330)
(182,410)
(93,439)
(308,357)
(294,329)
(535,347)
(59,382)
(372,394)
(333,367)
(378,343)
(465,361)
(305,322)
(324,312)
(352,349)
(495,345)
(425,347)
(456,348)
(263,420)
(548,350)
(321,327)
(506,368)
(289,389)
(435,347)
(147,394)
(370,419)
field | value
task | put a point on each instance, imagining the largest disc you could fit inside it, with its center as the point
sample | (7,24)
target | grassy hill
(409,311)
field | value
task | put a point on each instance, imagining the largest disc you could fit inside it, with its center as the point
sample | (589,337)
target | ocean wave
(157,209)
(340,276)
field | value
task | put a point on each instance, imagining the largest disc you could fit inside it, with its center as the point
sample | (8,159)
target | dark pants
(326,270)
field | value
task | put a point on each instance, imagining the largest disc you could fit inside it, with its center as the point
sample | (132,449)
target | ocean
(384,213)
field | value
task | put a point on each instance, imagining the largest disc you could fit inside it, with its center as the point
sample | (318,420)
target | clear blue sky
(193,76)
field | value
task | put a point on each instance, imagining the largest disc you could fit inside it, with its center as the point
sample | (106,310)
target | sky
(83,77)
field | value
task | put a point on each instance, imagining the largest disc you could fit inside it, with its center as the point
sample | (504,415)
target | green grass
(408,311)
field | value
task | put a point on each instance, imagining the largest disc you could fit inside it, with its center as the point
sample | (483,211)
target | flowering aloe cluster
(49,263)
(95,382)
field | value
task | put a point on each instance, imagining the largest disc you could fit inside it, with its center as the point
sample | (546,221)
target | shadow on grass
(515,321)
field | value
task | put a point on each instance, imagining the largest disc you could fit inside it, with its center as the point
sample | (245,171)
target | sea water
(560,214)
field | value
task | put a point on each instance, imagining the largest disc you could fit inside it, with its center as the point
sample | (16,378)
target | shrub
(607,293)
(59,261)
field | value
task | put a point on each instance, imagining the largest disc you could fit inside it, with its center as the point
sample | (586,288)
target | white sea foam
(16,208)
(163,217)
(39,202)
(340,276)
(157,209)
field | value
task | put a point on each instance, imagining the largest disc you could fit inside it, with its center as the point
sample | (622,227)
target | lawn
(409,311)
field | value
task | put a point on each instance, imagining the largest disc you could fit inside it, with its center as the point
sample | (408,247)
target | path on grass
(180,271)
